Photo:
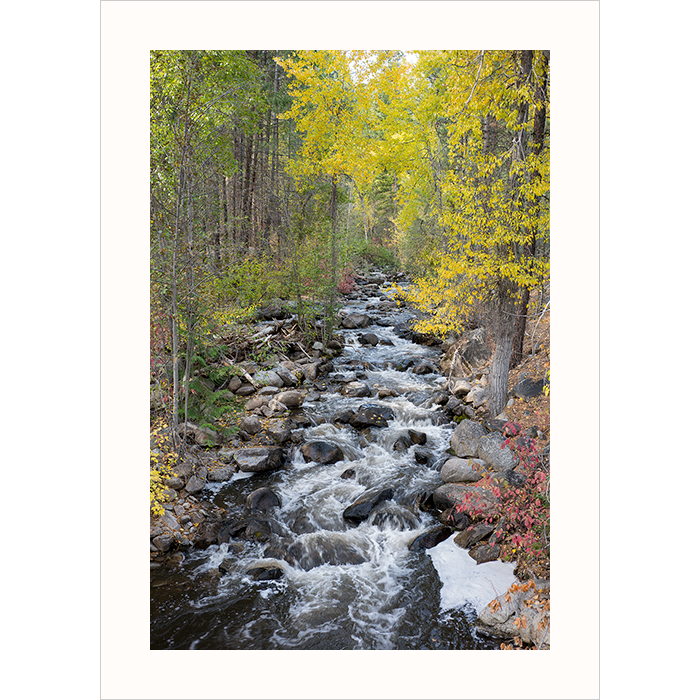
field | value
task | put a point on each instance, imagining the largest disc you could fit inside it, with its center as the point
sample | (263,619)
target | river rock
(499,620)
(344,416)
(372,415)
(492,450)
(362,508)
(255,403)
(262,499)
(280,431)
(245,390)
(195,484)
(425,368)
(251,424)
(235,384)
(223,473)
(478,396)
(528,388)
(430,539)
(202,436)
(480,501)
(356,320)
(287,376)
(356,390)
(163,542)
(485,552)
(268,378)
(368,339)
(322,452)
(290,399)
(465,439)
(454,517)
(403,443)
(258,459)
(461,388)
(474,534)
(268,572)
(462,470)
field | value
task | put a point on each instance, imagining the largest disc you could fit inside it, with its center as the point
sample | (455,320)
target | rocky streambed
(331,520)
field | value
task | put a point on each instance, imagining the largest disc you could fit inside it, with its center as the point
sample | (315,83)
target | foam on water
(464,582)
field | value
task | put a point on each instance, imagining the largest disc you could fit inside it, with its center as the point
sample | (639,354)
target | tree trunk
(503,328)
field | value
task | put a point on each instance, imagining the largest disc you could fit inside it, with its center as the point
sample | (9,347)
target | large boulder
(290,399)
(322,452)
(362,508)
(528,601)
(371,415)
(268,378)
(474,534)
(356,320)
(429,539)
(474,353)
(262,499)
(356,390)
(465,439)
(528,388)
(480,502)
(258,459)
(457,470)
(492,450)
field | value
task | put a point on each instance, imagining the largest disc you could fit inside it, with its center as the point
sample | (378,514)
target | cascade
(333,567)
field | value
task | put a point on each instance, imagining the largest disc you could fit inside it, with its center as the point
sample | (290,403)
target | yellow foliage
(163,459)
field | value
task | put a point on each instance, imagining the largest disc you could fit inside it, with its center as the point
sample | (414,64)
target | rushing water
(350,587)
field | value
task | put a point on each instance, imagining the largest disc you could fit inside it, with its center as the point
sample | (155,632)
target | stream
(350,585)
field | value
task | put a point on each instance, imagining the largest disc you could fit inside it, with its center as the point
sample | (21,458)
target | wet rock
(265,573)
(356,390)
(251,529)
(429,539)
(425,368)
(262,499)
(417,437)
(465,439)
(360,510)
(371,415)
(258,459)
(422,456)
(344,416)
(348,474)
(319,549)
(485,552)
(474,534)
(368,339)
(403,443)
(356,320)
(384,392)
(322,452)
(455,517)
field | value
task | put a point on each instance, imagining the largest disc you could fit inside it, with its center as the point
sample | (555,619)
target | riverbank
(278,401)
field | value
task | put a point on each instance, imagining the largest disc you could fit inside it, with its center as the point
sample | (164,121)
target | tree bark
(503,328)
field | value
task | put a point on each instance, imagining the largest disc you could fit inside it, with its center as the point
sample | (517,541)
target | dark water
(386,597)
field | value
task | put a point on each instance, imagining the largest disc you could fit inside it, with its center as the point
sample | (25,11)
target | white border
(129,31)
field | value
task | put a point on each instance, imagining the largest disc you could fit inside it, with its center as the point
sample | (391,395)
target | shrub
(523,512)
